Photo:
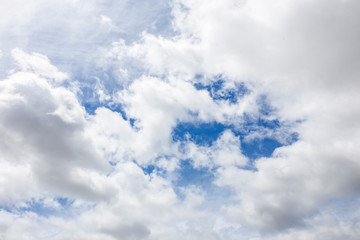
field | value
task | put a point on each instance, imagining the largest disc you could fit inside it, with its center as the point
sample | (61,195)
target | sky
(179,119)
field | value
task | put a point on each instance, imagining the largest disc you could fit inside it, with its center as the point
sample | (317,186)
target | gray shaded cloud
(129,231)
(47,124)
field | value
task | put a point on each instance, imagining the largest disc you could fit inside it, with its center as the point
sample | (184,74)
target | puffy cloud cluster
(302,55)
(298,58)
(42,128)
(52,150)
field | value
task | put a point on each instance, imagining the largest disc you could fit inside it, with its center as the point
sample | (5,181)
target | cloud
(300,175)
(325,225)
(71,32)
(116,166)
(300,55)
(38,64)
(42,128)
(52,149)
(157,106)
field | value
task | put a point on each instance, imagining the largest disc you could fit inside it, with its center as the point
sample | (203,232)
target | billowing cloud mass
(180,119)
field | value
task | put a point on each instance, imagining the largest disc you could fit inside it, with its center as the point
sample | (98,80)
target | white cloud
(224,152)
(38,64)
(42,128)
(157,106)
(302,55)
(72,32)
(51,148)
(105,20)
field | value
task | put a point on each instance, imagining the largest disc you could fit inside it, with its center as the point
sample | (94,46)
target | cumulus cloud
(117,166)
(51,148)
(299,54)
(42,128)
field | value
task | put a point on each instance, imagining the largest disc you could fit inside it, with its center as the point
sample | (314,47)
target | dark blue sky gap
(148,169)
(200,133)
(205,134)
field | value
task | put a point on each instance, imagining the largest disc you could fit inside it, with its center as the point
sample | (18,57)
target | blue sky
(179,120)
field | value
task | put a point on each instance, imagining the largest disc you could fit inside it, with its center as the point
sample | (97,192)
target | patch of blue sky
(42,209)
(90,100)
(265,122)
(203,179)
(219,91)
(73,35)
(205,134)
(64,202)
(91,106)
(154,167)
(186,175)
(189,175)
(148,169)
(201,133)
(345,207)
(5,208)
(160,22)
(265,109)
(259,147)
(152,16)
(263,146)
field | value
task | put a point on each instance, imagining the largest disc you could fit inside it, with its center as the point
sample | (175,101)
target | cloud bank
(191,120)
